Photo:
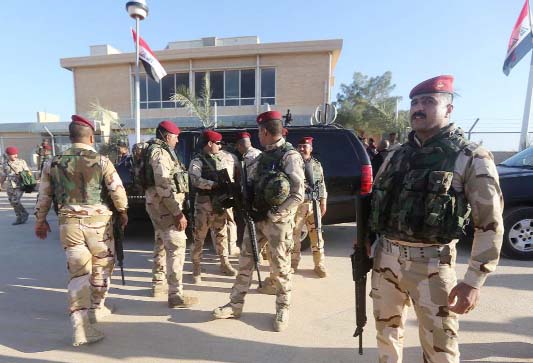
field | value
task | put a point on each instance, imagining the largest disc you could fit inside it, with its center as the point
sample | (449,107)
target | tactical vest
(270,176)
(179,175)
(413,199)
(77,178)
(210,165)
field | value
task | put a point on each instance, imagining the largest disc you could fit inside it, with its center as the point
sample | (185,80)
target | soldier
(82,184)
(45,153)
(377,161)
(305,215)
(10,178)
(124,164)
(422,199)
(208,210)
(167,184)
(278,186)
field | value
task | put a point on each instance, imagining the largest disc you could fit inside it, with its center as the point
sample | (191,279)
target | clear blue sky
(414,40)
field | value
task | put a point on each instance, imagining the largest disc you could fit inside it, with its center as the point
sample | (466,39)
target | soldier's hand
(123,219)
(181,222)
(323,208)
(463,298)
(42,229)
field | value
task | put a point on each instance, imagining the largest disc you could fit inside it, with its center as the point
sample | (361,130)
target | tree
(200,107)
(367,106)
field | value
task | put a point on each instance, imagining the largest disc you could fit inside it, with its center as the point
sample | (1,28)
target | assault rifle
(314,195)
(236,199)
(361,264)
(118,235)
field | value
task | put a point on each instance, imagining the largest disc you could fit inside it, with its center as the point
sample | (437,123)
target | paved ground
(35,327)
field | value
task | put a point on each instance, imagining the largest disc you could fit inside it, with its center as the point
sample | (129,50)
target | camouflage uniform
(43,156)
(276,229)
(207,214)
(422,272)
(81,181)
(305,216)
(10,175)
(163,203)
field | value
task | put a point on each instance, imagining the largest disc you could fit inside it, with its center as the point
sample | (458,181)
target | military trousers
(206,218)
(14,195)
(169,259)
(425,283)
(279,238)
(306,217)
(90,251)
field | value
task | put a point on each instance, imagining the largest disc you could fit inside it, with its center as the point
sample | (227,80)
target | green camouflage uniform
(206,214)
(82,183)
(276,229)
(10,171)
(163,203)
(411,270)
(305,216)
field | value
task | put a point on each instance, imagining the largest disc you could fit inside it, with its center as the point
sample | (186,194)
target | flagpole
(137,86)
(527,106)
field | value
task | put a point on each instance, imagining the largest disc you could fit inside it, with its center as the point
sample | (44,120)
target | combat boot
(281,320)
(159,290)
(17,222)
(24,217)
(294,265)
(226,268)
(235,251)
(320,271)
(178,301)
(268,287)
(99,314)
(226,312)
(83,331)
(196,273)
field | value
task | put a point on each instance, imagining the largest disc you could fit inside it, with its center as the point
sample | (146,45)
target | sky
(415,40)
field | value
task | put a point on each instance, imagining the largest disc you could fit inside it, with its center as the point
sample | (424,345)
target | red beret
(12,150)
(269,115)
(243,135)
(47,147)
(308,140)
(212,136)
(440,84)
(79,120)
(284,132)
(170,127)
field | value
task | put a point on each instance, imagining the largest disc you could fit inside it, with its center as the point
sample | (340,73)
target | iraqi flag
(521,40)
(151,65)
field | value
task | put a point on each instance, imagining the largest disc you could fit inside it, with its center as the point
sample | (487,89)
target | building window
(157,95)
(268,86)
(228,88)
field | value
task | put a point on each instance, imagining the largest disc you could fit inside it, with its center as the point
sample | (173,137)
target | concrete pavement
(35,326)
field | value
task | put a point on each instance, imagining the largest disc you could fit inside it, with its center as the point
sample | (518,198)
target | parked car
(516,181)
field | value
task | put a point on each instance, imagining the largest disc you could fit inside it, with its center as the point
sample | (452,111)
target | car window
(523,158)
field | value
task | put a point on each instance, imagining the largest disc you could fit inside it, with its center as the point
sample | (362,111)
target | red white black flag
(151,65)
(521,40)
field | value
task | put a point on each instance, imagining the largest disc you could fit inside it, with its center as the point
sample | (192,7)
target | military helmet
(276,188)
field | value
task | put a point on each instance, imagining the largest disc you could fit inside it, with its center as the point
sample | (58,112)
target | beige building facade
(245,75)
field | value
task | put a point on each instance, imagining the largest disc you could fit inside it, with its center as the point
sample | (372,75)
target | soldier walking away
(209,213)
(44,152)
(82,184)
(11,181)
(278,187)
(423,196)
(166,188)
(305,214)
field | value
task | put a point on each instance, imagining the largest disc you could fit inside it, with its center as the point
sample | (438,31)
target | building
(244,74)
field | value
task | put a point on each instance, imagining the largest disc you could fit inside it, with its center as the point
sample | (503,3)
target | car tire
(518,235)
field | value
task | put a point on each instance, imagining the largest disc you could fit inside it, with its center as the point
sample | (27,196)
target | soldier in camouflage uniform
(11,168)
(278,188)
(167,185)
(423,195)
(305,214)
(208,211)
(44,152)
(83,184)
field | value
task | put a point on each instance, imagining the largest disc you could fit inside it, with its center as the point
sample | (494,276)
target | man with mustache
(424,194)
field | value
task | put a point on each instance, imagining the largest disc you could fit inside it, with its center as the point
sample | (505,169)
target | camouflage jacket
(249,158)
(222,160)
(112,183)
(10,173)
(318,175)
(475,175)
(163,194)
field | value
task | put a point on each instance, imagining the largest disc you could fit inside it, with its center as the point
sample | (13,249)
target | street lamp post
(138,10)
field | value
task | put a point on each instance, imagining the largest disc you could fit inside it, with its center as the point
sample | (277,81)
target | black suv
(516,181)
(344,159)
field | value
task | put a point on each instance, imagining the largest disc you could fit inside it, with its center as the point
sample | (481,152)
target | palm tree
(200,107)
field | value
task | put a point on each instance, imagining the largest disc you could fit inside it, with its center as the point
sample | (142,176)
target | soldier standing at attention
(278,187)
(81,183)
(305,215)
(167,183)
(423,196)
(208,211)
(11,168)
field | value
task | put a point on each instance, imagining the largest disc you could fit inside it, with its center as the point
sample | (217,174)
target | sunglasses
(218,142)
